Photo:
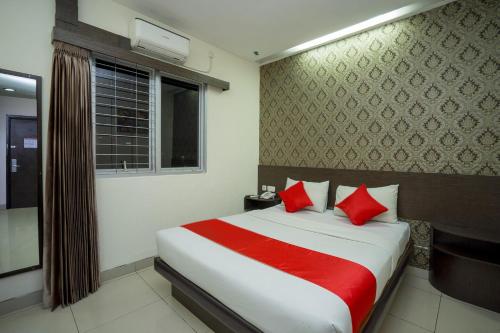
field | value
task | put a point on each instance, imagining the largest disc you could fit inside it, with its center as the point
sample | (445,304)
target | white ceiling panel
(266,26)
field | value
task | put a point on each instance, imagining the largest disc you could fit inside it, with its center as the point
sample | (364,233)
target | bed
(232,292)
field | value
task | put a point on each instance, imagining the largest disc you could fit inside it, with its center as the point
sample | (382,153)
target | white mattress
(270,299)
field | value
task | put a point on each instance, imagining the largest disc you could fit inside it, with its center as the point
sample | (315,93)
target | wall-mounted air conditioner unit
(157,42)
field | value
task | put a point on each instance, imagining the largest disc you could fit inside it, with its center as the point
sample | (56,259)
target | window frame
(201,127)
(152,121)
(154,124)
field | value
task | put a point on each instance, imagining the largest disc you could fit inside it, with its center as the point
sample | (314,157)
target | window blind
(123,116)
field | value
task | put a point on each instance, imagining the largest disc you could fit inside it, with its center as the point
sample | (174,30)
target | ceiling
(23,87)
(266,26)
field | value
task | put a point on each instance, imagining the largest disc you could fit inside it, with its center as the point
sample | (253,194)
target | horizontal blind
(123,116)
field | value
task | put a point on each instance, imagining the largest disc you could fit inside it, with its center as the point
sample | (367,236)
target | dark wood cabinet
(465,265)
(252,202)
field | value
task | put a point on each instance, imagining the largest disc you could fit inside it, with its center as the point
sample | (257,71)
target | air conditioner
(157,42)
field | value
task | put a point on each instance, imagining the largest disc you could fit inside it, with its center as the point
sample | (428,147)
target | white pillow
(387,196)
(317,192)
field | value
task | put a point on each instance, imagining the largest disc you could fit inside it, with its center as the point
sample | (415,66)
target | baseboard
(18,303)
(135,266)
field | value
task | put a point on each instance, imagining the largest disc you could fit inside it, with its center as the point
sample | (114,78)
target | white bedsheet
(268,298)
(391,237)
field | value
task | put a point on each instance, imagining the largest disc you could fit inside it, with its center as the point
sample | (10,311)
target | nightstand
(465,265)
(252,202)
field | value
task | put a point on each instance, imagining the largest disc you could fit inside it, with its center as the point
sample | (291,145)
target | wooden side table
(252,202)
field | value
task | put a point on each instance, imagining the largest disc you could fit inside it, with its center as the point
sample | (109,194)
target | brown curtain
(70,265)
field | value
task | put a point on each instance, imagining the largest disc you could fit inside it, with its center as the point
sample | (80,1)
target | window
(180,125)
(131,135)
(123,117)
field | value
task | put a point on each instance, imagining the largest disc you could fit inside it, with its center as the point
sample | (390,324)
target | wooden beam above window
(71,31)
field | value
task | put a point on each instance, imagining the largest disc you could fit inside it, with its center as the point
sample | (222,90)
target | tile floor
(141,302)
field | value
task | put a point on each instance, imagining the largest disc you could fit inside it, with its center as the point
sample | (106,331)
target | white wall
(10,106)
(26,28)
(131,209)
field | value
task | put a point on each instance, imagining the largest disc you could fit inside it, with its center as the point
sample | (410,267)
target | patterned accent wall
(419,95)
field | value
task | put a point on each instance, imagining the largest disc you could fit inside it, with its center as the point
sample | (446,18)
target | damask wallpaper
(420,95)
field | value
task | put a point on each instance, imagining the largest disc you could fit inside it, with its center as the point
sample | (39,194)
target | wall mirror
(20,173)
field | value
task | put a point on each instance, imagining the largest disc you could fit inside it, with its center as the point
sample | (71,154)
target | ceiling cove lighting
(374,22)
(9,89)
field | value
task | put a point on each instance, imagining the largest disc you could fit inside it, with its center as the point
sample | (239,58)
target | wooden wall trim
(69,30)
(469,204)
(67,11)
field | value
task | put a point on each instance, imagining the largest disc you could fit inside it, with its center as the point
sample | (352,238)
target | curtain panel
(70,263)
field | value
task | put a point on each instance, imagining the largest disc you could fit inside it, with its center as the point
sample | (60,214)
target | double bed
(236,292)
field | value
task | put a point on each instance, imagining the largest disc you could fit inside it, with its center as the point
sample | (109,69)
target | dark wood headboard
(468,202)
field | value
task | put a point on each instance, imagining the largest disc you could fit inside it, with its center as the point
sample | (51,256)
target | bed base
(222,319)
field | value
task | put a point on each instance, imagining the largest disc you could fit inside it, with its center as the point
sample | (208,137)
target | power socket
(264,188)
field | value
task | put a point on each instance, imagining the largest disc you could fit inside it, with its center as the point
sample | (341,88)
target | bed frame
(222,319)
(464,202)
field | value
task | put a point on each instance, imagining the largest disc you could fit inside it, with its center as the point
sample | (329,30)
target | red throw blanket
(350,281)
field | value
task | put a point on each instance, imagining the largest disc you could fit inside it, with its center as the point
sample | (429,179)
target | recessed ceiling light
(9,89)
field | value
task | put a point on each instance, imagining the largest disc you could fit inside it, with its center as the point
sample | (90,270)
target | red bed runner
(350,281)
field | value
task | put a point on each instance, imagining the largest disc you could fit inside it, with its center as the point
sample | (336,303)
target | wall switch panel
(264,188)
(271,188)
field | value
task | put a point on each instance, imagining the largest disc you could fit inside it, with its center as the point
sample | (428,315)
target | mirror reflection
(19,175)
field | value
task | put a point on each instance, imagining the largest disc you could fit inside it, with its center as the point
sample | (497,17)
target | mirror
(20,173)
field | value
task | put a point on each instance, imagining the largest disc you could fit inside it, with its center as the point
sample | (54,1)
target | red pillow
(360,206)
(295,198)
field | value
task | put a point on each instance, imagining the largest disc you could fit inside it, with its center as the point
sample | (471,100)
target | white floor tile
(416,306)
(159,284)
(189,317)
(163,288)
(38,320)
(419,283)
(395,325)
(112,300)
(418,272)
(154,318)
(131,304)
(459,317)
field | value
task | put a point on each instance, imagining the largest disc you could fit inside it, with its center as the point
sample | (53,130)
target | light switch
(271,188)
(264,188)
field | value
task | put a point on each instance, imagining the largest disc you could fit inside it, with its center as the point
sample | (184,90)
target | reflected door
(22,162)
